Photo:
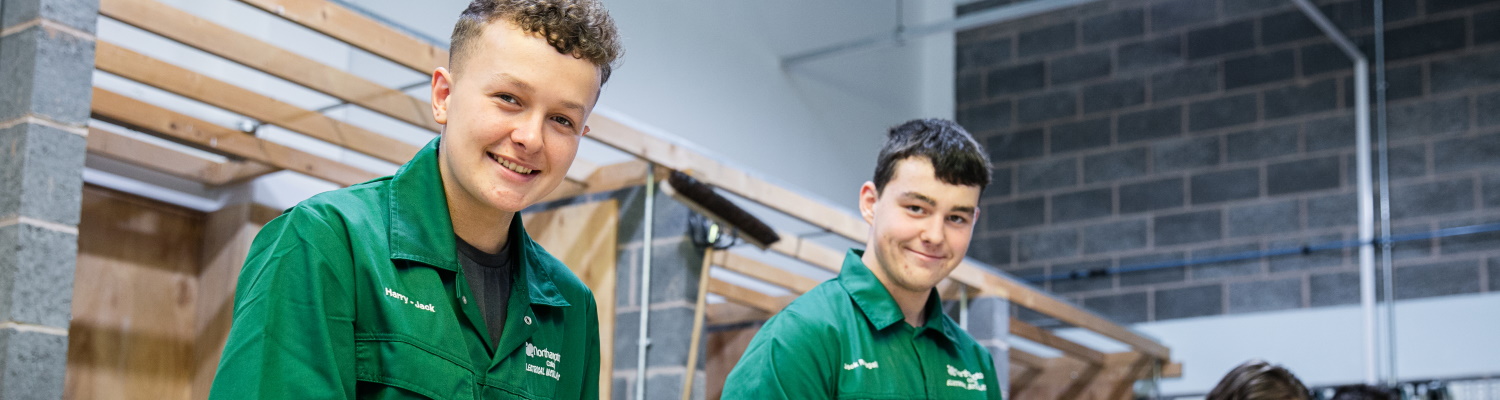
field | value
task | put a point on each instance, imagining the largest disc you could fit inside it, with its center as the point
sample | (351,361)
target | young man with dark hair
(1259,380)
(424,284)
(878,330)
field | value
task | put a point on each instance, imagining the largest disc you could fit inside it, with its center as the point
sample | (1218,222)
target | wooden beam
(742,295)
(205,35)
(131,113)
(602,179)
(1045,338)
(1124,369)
(1080,381)
(734,313)
(171,161)
(1019,382)
(359,31)
(765,272)
(1029,360)
(140,68)
(618,135)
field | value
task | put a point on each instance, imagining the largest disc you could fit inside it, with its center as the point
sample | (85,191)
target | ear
(867,197)
(442,86)
(585,131)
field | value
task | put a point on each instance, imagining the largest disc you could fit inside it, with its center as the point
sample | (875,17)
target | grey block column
(46,64)
(675,266)
(989,324)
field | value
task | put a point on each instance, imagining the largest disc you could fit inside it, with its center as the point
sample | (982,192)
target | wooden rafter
(172,161)
(359,31)
(115,108)
(141,68)
(755,269)
(742,295)
(205,35)
(1046,338)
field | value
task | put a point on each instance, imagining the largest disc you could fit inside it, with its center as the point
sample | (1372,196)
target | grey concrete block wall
(46,66)
(1205,128)
(675,266)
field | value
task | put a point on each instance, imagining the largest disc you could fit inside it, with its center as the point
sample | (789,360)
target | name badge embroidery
(398,296)
(971,380)
(548,356)
(862,363)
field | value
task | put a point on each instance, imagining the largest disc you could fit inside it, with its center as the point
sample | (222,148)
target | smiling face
(512,121)
(919,226)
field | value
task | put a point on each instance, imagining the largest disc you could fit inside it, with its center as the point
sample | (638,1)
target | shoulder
(814,316)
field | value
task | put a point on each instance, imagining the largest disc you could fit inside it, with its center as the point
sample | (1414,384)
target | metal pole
(1362,163)
(645,340)
(1386,266)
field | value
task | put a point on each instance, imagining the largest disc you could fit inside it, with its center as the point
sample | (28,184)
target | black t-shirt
(490,277)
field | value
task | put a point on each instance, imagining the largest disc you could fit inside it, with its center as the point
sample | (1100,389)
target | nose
(528,134)
(932,231)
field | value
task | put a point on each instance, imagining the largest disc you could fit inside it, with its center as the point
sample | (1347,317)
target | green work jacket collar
(875,301)
(421,230)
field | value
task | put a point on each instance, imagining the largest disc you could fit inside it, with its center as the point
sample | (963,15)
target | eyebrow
(526,87)
(930,202)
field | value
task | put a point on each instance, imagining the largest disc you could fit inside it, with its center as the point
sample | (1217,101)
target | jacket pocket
(402,363)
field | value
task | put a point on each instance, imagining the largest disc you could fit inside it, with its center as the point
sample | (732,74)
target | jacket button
(465,299)
(527,319)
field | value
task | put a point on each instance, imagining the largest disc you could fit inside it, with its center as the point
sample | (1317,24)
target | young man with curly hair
(877,331)
(424,284)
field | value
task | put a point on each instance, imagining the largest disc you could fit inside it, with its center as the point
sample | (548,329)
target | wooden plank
(140,68)
(205,35)
(227,234)
(700,306)
(359,31)
(742,295)
(134,294)
(583,236)
(734,313)
(1045,338)
(617,135)
(1123,369)
(1021,380)
(755,269)
(171,161)
(1081,381)
(602,179)
(116,108)
(1021,357)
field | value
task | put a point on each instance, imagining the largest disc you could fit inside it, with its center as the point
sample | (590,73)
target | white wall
(1442,337)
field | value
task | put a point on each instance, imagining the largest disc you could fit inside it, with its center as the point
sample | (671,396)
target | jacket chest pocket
(386,366)
(533,370)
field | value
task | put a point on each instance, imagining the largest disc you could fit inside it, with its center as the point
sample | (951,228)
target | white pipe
(1387,273)
(1362,176)
(963,307)
(644,339)
(901,35)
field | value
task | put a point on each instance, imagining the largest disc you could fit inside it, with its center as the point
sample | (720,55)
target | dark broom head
(722,209)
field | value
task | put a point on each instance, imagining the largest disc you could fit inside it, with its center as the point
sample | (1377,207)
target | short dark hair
(579,28)
(956,158)
(1362,392)
(1259,380)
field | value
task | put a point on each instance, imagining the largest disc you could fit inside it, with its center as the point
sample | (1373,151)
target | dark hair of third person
(1259,380)
(580,28)
(956,158)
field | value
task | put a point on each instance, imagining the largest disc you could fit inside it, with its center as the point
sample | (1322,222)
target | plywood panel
(134,295)
(584,236)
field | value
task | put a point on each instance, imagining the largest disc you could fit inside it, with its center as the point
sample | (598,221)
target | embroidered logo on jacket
(971,380)
(862,363)
(398,296)
(548,356)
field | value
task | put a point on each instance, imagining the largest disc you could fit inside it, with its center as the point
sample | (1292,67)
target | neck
(913,304)
(478,229)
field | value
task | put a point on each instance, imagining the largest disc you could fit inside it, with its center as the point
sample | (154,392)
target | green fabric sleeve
(293,330)
(788,359)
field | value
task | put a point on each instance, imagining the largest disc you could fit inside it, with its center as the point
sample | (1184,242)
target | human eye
(958,219)
(507,98)
(564,121)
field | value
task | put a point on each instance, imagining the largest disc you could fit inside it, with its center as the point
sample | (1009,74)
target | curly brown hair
(580,28)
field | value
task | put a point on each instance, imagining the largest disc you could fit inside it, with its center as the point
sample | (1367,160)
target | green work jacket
(358,293)
(847,339)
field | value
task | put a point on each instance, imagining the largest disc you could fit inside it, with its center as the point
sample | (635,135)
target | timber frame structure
(1081,372)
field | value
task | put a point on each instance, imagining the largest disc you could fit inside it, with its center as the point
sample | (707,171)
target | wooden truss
(1080,372)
